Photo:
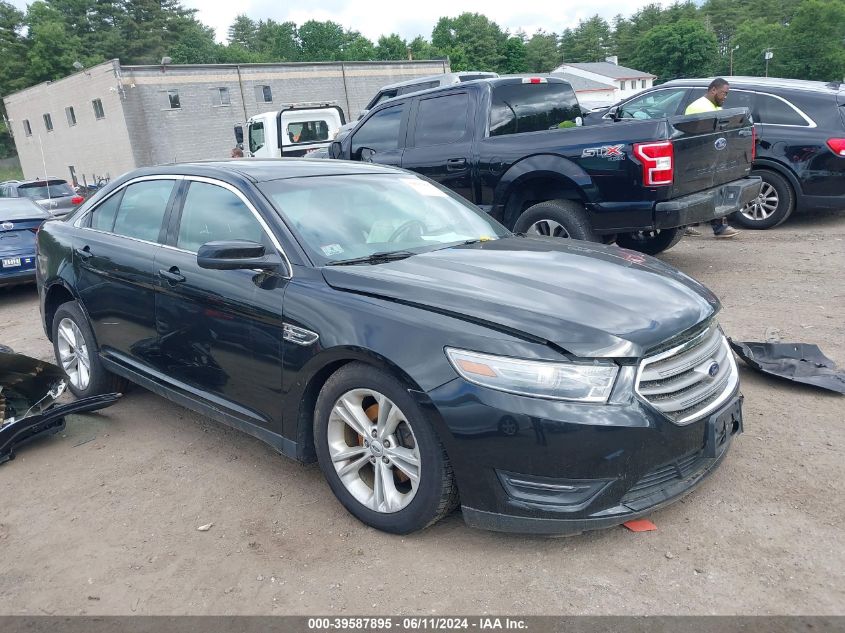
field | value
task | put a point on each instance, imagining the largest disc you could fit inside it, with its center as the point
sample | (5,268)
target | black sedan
(367,318)
(800,128)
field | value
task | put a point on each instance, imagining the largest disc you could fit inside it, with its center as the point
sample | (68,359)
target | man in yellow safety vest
(716,94)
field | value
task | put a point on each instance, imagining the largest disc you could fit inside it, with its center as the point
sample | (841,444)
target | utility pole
(731,73)
(767,55)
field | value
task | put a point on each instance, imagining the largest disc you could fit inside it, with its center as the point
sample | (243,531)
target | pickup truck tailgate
(711,149)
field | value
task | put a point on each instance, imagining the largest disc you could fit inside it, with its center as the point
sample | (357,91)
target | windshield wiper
(375,258)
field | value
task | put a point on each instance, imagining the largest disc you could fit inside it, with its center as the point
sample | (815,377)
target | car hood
(591,300)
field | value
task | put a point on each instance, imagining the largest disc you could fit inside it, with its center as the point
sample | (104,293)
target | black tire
(774,185)
(100,380)
(651,242)
(568,214)
(436,494)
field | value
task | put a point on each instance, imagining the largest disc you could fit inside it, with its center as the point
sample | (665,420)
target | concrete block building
(103,121)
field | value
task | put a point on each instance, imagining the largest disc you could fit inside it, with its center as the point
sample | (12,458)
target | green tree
(243,32)
(321,41)
(277,42)
(152,28)
(589,42)
(197,46)
(52,47)
(391,47)
(358,48)
(684,49)
(421,48)
(814,44)
(472,41)
(515,55)
(541,53)
(753,37)
(13,49)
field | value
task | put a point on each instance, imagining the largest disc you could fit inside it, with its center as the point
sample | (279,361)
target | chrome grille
(691,380)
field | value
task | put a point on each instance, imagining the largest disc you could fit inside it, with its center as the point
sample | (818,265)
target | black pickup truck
(515,147)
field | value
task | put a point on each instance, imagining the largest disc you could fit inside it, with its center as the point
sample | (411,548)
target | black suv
(800,129)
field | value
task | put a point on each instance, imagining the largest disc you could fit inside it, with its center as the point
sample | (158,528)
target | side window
(741,99)
(654,105)
(380,132)
(425,85)
(382,96)
(142,209)
(442,120)
(777,112)
(256,137)
(211,214)
(102,218)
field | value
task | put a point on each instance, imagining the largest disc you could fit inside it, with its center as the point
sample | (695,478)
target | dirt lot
(102,519)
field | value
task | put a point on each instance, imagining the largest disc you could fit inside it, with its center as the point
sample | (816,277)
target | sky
(383,17)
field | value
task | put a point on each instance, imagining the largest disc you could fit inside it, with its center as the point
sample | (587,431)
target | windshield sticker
(424,188)
(330,250)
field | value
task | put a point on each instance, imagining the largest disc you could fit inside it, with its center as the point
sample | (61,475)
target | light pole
(731,73)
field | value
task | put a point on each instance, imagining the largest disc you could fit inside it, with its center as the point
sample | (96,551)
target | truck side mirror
(239,134)
(612,114)
(335,150)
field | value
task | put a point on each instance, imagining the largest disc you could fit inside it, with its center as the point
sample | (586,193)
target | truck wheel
(773,206)
(556,218)
(651,242)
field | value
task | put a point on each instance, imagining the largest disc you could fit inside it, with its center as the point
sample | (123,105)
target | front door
(220,330)
(441,144)
(114,265)
(381,138)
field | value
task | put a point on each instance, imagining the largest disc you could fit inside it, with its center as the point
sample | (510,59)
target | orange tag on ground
(640,525)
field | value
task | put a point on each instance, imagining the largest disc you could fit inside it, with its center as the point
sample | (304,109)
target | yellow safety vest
(701,105)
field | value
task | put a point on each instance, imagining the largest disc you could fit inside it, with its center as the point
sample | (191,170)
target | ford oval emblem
(714,369)
(7,226)
(721,143)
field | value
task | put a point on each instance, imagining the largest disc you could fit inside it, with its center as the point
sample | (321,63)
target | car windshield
(42,190)
(338,218)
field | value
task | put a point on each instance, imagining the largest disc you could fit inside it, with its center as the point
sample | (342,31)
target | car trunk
(710,149)
(56,196)
(17,244)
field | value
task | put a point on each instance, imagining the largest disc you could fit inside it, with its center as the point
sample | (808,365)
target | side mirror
(335,150)
(612,114)
(236,255)
(366,154)
(239,134)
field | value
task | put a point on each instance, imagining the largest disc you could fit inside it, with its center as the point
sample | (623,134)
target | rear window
(308,131)
(521,108)
(43,190)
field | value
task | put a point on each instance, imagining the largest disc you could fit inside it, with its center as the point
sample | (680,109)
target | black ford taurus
(367,318)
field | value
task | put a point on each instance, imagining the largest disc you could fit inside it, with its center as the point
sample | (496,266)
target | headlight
(542,379)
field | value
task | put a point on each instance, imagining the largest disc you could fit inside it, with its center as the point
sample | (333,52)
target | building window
(633,84)
(48,122)
(622,85)
(71,116)
(173,100)
(99,113)
(27,128)
(642,84)
(220,97)
(263,94)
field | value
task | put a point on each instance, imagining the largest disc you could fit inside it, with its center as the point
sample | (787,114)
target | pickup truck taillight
(658,161)
(837,145)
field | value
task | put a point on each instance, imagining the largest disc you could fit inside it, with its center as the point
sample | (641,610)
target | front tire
(651,242)
(772,207)
(76,353)
(379,453)
(556,218)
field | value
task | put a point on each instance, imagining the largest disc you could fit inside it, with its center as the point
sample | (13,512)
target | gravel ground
(103,518)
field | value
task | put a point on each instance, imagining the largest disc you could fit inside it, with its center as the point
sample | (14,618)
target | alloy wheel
(373,450)
(73,354)
(547,228)
(764,205)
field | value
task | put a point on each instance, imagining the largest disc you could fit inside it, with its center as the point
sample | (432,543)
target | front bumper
(532,466)
(707,205)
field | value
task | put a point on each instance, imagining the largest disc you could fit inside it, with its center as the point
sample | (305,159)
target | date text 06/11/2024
(415,624)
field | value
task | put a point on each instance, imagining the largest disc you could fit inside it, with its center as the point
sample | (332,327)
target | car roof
(440,77)
(493,81)
(20,208)
(263,170)
(39,180)
(771,83)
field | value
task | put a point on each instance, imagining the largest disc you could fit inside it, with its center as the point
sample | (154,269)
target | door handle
(172,275)
(85,253)
(456,164)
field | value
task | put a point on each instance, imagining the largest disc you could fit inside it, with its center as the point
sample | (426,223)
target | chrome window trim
(799,111)
(204,179)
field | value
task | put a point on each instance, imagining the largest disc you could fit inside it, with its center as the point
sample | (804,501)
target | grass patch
(10,173)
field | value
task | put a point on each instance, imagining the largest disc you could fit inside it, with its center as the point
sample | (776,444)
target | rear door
(220,331)
(302,131)
(440,141)
(113,257)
